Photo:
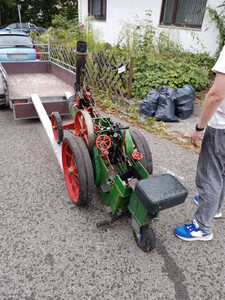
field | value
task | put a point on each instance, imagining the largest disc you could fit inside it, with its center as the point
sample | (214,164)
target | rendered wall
(119,12)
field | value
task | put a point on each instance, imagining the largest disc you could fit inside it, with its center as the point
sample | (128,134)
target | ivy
(217,16)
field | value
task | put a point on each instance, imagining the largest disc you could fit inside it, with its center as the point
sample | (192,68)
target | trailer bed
(43,84)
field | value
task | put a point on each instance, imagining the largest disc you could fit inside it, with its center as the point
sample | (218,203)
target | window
(12,26)
(13,40)
(182,13)
(97,8)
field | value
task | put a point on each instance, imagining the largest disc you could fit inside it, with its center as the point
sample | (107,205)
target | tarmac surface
(184,128)
(51,249)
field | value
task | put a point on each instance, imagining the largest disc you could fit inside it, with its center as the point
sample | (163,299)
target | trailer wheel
(57,127)
(148,239)
(142,146)
(78,171)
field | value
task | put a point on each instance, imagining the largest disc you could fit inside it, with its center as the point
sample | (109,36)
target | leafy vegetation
(68,32)
(39,12)
(217,16)
(151,73)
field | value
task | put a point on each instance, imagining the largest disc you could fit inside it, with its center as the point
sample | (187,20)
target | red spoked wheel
(84,128)
(136,155)
(57,127)
(103,142)
(77,170)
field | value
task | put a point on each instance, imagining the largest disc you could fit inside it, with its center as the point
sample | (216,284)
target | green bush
(152,73)
(202,59)
(68,32)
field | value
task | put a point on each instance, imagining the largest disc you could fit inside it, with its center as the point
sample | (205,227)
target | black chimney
(81,54)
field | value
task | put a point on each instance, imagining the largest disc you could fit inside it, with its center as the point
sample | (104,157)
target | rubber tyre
(81,184)
(142,146)
(58,132)
(148,239)
(88,168)
(2,106)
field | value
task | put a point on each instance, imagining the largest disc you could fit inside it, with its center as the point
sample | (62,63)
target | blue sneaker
(195,199)
(192,232)
(217,215)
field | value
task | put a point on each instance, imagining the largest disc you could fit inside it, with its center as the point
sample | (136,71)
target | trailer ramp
(43,116)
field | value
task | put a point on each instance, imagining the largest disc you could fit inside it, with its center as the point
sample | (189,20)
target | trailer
(51,79)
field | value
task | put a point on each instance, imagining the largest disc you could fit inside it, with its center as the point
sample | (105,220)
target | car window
(12,26)
(14,40)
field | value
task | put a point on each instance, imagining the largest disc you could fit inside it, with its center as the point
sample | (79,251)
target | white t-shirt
(218,119)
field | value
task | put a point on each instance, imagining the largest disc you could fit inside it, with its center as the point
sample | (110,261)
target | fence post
(130,77)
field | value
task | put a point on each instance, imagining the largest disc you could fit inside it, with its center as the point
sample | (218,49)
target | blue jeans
(210,178)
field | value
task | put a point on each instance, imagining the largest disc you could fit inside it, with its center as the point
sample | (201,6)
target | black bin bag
(166,105)
(149,104)
(184,103)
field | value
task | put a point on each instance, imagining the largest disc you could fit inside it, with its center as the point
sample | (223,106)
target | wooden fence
(105,74)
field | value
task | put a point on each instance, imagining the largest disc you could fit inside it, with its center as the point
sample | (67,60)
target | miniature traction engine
(118,160)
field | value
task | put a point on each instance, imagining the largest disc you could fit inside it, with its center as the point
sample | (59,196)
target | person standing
(210,175)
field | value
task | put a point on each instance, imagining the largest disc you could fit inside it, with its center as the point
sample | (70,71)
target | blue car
(17,46)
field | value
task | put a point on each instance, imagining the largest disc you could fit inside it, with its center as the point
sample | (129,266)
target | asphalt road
(50,249)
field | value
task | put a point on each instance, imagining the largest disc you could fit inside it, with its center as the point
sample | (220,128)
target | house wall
(120,11)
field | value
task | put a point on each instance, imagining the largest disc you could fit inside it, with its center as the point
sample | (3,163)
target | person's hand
(195,137)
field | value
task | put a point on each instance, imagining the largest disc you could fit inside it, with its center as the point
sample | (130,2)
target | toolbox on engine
(160,192)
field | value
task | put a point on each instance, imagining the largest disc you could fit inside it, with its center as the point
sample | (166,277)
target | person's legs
(210,181)
(210,178)
(219,213)
(222,196)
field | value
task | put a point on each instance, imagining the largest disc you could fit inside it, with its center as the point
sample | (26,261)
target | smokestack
(81,54)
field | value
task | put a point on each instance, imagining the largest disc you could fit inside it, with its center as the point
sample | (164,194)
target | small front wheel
(147,240)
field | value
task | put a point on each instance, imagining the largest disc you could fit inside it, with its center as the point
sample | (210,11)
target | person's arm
(212,101)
